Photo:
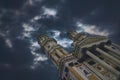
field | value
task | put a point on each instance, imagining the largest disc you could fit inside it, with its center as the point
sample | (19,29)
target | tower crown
(72,34)
(42,39)
(53,50)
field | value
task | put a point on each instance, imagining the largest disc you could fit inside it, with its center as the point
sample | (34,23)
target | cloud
(55,33)
(28,28)
(38,57)
(49,12)
(27,31)
(64,42)
(2,34)
(27,34)
(46,13)
(6,38)
(91,29)
(34,45)
(32,2)
(36,18)
(8,43)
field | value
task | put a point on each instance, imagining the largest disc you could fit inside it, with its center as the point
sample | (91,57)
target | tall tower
(53,50)
(94,57)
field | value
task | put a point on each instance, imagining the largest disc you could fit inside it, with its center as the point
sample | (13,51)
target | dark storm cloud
(12,4)
(80,8)
(21,21)
(24,73)
(24,52)
(106,16)
(107,12)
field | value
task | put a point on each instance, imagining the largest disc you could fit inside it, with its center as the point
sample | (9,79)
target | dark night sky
(21,21)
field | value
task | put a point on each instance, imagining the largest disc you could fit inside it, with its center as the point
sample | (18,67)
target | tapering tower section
(98,53)
(53,50)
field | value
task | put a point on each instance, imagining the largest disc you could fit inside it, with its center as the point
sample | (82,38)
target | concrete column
(109,48)
(65,52)
(116,56)
(108,56)
(116,45)
(103,63)
(54,57)
(96,72)
(59,53)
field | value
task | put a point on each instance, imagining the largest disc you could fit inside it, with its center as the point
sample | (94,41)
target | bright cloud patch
(8,43)
(27,27)
(64,42)
(46,13)
(32,2)
(27,31)
(2,34)
(49,12)
(37,56)
(34,46)
(91,29)
(36,18)
(6,38)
